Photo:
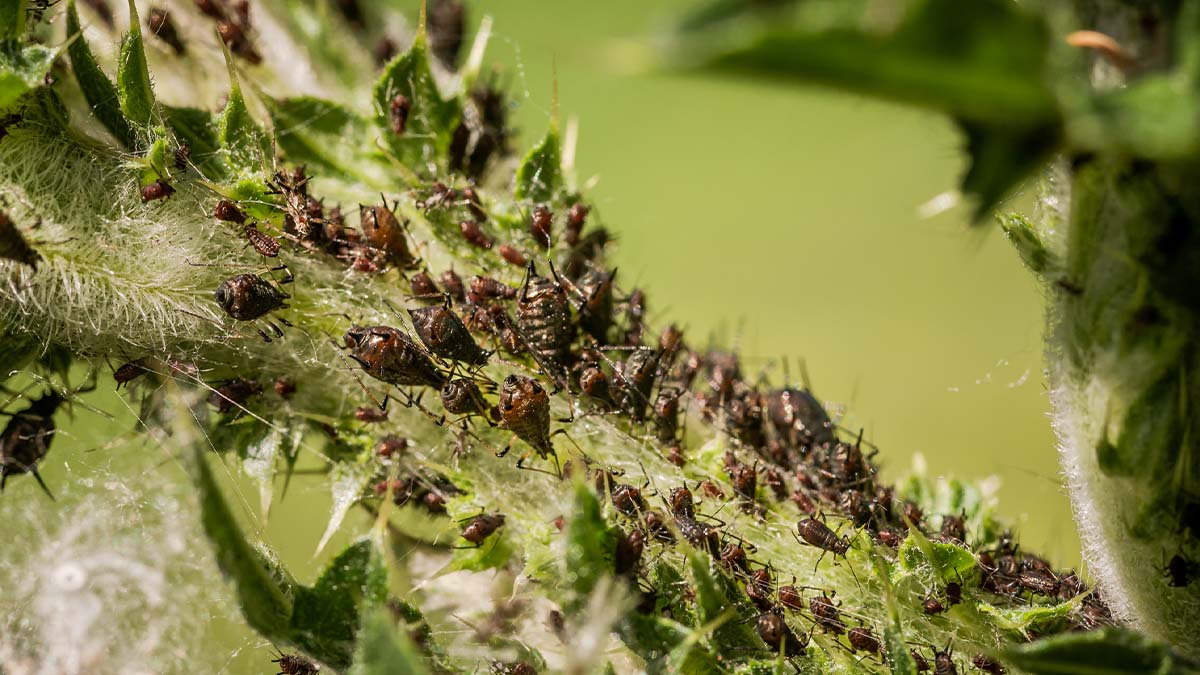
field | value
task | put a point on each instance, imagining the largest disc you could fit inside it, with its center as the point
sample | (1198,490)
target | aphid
(933,606)
(674,454)
(790,598)
(183,155)
(544,321)
(594,384)
(760,588)
(656,526)
(502,325)
(627,499)
(482,133)
(293,186)
(160,24)
(682,503)
(517,668)
(487,288)
(576,217)
(594,288)
(423,287)
(445,22)
(863,640)
(539,225)
(525,411)
(398,113)
(370,414)
(474,234)
(635,382)
(129,372)
(954,593)
(954,530)
(1039,581)
(388,355)
(799,418)
(988,665)
(462,397)
(513,256)
(229,212)
(635,313)
(710,489)
(666,415)
(285,387)
(211,8)
(263,243)
(159,189)
(745,480)
(734,558)
(826,614)
(26,439)
(295,664)
(921,663)
(482,526)
(235,36)
(391,446)
(912,513)
(943,663)
(383,232)
(234,394)
(628,554)
(247,297)
(454,285)
(1179,570)
(803,502)
(444,334)
(816,533)
(774,631)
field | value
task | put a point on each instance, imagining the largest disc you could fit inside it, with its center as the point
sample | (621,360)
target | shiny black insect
(774,631)
(388,355)
(544,321)
(229,212)
(816,533)
(26,439)
(263,243)
(160,24)
(423,287)
(234,394)
(863,640)
(247,297)
(295,664)
(700,535)
(482,526)
(159,189)
(398,113)
(444,334)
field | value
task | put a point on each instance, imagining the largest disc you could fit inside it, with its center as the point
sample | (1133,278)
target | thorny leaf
(1109,651)
(98,90)
(325,620)
(133,75)
(893,631)
(198,128)
(589,552)
(328,137)
(430,118)
(539,176)
(240,136)
(23,68)
(982,63)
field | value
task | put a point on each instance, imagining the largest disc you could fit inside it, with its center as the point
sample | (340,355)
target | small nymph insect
(539,225)
(444,334)
(229,212)
(774,631)
(525,411)
(248,297)
(388,355)
(462,397)
(159,189)
(398,113)
(481,527)
(234,394)
(26,439)
(295,664)
(862,639)
(545,323)
(263,243)
(384,233)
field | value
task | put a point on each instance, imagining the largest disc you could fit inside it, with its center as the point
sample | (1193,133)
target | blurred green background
(783,221)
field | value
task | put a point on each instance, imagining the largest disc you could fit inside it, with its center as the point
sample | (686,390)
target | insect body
(544,321)
(525,411)
(482,526)
(388,355)
(816,533)
(295,664)
(774,631)
(26,439)
(246,297)
(827,615)
(384,233)
(266,245)
(129,372)
(159,189)
(159,22)
(462,397)
(13,245)
(234,394)
(398,113)
(863,640)
(443,332)
(229,212)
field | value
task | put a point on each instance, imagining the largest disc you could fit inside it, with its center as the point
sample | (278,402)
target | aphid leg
(507,446)
(263,333)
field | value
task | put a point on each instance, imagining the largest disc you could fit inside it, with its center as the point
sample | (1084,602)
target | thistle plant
(457,361)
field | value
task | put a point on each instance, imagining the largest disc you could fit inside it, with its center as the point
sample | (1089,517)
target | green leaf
(981,62)
(12,18)
(326,616)
(947,561)
(23,68)
(325,135)
(1109,651)
(666,646)
(198,128)
(431,119)
(898,655)
(241,138)
(384,650)
(133,75)
(719,599)
(539,176)
(266,603)
(98,90)
(589,551)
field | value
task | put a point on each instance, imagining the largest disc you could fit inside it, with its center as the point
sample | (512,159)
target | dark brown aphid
(674,454)
(293,187)
(656,526)
(745,480)
(263,243)
(1039,581)
(890,537)
(295,664)
(682,503)
(666,415)
(988,665)
(246,297)
(594,288)
(445,23)
(159,189)
(129,372)
(816,533)
(398,113)
(544,321)
(473,233)
(734,558)
(482,526)
(383,232)
(234,394)
(512,256)
(454,285)
(774,631)
(487,288)
(954,593)
(803,502)
(444,334)
(229,212)
(388,355)
(1179,571)
(183,155)
(236,36)
(921,663)
(213,9)
(954,530)
(482,133)
(391,446)
(635,382)
(943,663)
(160,24)
(827,615)
(773,479)
(501,324)
(627,557)
(627,499)
(462,397)
(423,287)
(635,314)
(710,490)
(576,217)
(26,439)
(912,513)
(14,246)
(799,418)
(539,225)
(594,384)
(760,588)
(933,606)
(790,598)
(370,414)
(863,640)
(525,411)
